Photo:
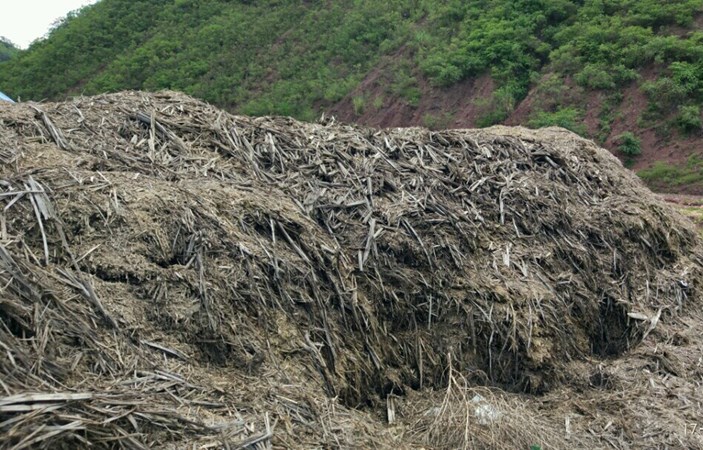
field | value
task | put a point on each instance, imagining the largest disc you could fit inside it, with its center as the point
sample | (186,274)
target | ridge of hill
(625,73)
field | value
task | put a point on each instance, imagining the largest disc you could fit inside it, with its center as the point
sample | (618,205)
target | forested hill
(628,73)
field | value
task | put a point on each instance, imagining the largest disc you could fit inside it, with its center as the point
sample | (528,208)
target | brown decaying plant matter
(174,276)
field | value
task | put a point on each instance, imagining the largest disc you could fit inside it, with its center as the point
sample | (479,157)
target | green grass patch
(664,175)
(378,102)
(569,118)
(359,103)
(437,121)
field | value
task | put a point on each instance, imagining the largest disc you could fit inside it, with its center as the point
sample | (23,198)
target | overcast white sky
(23,21)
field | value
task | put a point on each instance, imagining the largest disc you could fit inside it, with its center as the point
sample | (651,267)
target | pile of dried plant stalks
(172,275)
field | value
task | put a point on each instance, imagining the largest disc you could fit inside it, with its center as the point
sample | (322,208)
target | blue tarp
(6,98)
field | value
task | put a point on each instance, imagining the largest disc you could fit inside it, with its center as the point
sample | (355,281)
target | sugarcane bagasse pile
(173,276)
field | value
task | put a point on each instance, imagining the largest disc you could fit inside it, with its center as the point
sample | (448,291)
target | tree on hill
(7,49)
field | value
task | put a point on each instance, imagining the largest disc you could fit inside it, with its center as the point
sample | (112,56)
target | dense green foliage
(7,49)
(629,144)
(293,58)
(265,57)
(602,44)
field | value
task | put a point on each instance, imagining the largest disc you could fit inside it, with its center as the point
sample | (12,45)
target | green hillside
(299,58)
(290,57)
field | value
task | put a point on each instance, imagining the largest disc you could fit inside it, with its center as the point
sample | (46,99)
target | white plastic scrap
(485,412)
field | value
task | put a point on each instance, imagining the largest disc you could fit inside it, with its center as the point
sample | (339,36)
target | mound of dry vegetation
(173,276)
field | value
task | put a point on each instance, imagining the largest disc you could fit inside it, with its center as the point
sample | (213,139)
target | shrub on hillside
(569,118)
(359,104)
(689,118)
(629,144)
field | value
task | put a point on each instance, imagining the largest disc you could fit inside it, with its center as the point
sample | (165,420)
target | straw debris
(173,275)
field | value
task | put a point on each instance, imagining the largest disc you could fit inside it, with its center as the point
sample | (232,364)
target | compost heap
(174,276)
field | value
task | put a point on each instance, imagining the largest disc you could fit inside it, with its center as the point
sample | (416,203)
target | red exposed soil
(542,99)
(594,105)
(674,149)
(525,108)
(626,117)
